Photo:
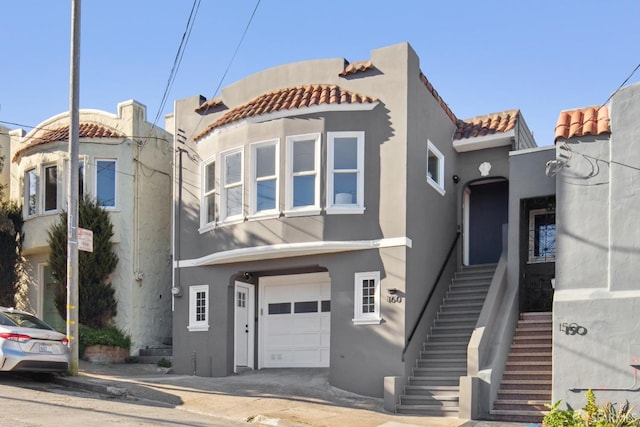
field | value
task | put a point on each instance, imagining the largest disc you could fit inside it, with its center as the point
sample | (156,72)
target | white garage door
(295,320)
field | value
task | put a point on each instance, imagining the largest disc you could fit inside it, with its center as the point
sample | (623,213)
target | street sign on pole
(85,240)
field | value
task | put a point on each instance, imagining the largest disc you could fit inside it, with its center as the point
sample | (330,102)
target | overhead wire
(178,59)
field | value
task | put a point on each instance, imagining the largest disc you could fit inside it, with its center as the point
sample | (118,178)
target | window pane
(326,306)
(304,156)
(266,196)
(233,168)
(210,177)
(201,304)
(280,308)
(234,200)
(211,208)
(265,161)
(545,235)
(106,182)
(345,187)
(80,178)
(50,188)
(305,307)
(433,167)
(345,153)
(31,186)
(304,190)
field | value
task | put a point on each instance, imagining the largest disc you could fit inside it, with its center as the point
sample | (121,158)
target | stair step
(441,400)
(525,385)
(459,313)
(156,351)
(454,371)
(536,315)
(526,375)
(518,416)
(452,329)
(467,322)
(430,390)
(442,362)
(520,405)
(525,394)
(542,365)
(434,381)
(428,410)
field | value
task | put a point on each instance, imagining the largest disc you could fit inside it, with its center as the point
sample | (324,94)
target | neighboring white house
(125,163)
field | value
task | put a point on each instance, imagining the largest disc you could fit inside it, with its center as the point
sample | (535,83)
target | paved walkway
(276,397)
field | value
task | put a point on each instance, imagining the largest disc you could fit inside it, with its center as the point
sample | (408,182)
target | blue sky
(481,56)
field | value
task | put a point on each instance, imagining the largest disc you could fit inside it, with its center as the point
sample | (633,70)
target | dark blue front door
(488,210)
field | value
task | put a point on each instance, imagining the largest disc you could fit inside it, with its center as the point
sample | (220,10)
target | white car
(29,344)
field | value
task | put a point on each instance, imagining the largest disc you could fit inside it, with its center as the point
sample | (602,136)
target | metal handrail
(433,288)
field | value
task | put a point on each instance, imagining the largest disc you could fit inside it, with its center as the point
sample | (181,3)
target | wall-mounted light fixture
(392,291)
(176,291)
(247,275)
(456,179)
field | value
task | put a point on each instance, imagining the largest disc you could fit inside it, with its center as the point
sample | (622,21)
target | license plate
(46,348)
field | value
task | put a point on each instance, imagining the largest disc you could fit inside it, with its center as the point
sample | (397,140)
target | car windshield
(22,319)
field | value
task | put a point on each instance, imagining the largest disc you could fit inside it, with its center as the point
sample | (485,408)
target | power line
(235,52)
(178,59)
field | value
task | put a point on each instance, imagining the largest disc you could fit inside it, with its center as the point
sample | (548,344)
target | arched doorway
(486,210)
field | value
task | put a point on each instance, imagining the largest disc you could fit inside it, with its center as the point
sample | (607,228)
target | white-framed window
(366,297)
(435,168)
(302,195)
(81,178)
(208,200)
(50,188)
(198,308)
(542,235)
(106,182)
(264,178)
(30,192)
(232,185)
(345,172)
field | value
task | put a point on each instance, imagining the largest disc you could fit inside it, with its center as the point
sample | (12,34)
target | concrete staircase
(433,389)
(526,383)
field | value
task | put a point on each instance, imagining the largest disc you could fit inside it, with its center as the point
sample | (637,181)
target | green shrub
(164,363)
(592,415)
(109,335)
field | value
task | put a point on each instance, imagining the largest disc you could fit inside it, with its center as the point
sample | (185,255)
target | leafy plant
(592,415)
(10,246)
(164,363)
(109,335)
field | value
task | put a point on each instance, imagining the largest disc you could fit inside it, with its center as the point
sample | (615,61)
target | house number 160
(394,299)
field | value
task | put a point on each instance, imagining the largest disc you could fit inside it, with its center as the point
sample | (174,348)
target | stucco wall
(597,292)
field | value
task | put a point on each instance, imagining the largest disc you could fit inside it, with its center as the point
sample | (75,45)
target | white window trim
(360,318)
(43,185)
(314,209)
(204,224)
(223,187)
(115,182)
(532,259)
(253,208)
(27,186)
(438,184)
(195,325)
(358,206)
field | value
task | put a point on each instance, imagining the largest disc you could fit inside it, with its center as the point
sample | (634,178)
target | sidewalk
(276,397)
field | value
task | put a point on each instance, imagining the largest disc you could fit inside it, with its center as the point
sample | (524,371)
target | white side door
(244,309)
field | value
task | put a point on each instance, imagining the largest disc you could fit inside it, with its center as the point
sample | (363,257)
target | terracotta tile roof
(288,99)
(210,106)
(583,121)
(356,67)
(438,98)
(86,130)
(487,124)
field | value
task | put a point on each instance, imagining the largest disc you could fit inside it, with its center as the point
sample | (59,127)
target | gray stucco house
(336,214)
(339,215)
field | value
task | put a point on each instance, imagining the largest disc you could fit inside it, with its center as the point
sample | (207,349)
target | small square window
(542,235)
(435,168)
(198,308)
(367,298)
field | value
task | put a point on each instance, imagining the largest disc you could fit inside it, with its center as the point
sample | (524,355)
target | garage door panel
(307,340)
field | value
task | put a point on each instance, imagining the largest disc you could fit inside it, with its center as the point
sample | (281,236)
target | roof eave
(483,142)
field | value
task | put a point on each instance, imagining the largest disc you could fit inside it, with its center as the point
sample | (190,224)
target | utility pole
(72,190)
